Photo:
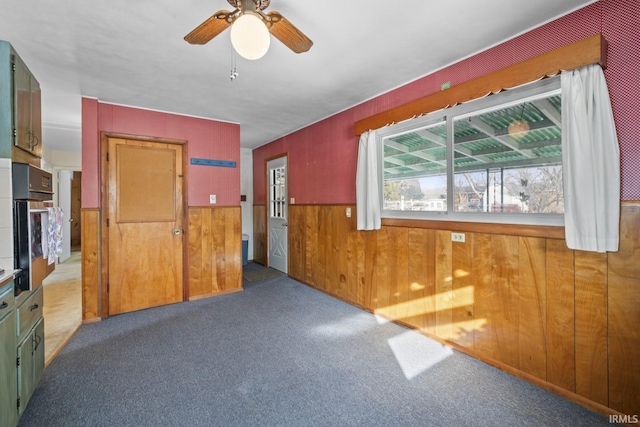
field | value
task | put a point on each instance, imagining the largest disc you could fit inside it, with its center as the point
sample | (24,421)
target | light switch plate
(212,199)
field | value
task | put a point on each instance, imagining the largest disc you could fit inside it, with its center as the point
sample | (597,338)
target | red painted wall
(206,139)
(322,157)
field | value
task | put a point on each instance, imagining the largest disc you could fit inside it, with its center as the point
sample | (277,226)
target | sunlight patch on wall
(415,286)
(459,273)
(460,297)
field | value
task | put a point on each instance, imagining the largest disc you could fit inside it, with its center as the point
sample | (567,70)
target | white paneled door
(277,211)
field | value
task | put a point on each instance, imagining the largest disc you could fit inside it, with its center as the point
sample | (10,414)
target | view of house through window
(500,154)
(415,169)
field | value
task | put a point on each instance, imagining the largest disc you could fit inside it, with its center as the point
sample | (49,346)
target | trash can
(245,249)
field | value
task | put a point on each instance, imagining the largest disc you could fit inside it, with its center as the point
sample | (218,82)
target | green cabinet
(31,364)
(20,107)
(21,350)
(30,350)
(6,100)
(27,118)
(8,371)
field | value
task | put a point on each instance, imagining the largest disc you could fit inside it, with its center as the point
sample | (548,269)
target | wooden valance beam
(590,50)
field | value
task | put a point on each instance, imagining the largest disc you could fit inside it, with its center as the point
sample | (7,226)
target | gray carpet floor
(258,275)
(278,354)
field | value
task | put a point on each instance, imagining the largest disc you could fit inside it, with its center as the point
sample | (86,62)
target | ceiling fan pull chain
(234,68)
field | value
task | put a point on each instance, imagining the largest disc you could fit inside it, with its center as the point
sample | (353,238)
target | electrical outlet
(457,237)
(212,199)
(292,201)
(348,212)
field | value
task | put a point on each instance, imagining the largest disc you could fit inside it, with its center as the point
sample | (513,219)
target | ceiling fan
(249,10)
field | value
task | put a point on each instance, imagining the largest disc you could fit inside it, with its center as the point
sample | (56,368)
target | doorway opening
(62,289)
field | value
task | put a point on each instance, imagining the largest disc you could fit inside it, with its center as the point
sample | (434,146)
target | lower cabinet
(21,350)
(31,364)
(8,372)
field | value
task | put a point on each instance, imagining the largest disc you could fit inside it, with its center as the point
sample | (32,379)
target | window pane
(277,192)
(415,167)
(509,159)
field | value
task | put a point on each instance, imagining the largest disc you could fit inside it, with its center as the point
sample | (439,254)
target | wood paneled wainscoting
(565,320)
(215,251)
(91,243)
(260,234)
(213,259)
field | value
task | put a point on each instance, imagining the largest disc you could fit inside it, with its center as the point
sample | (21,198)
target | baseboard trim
(215,294)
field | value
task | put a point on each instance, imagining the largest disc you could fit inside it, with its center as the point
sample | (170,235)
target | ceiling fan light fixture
(250,36)
(518,129)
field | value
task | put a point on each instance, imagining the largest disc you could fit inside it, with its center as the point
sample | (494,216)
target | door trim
(104,209)
(266,203)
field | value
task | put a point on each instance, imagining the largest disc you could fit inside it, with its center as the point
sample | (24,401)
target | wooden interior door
(76,210)
(144,224)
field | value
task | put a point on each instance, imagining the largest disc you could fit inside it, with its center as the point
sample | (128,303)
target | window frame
(549,86)
(277,193)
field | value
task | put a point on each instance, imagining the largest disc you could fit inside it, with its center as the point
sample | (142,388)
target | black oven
(32,196)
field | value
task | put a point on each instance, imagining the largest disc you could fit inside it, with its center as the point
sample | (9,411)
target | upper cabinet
(6,101)
(27,118)
(20,109)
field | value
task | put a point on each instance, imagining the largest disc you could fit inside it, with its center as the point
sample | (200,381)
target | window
(494,159)
(415,169)
(278,192)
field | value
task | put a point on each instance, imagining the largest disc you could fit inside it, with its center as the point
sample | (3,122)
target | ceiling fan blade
(210,28)
(288,34)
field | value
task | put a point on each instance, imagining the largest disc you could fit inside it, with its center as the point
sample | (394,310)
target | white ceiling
(132,52)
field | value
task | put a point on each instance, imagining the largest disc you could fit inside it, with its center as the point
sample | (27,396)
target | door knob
(176,231)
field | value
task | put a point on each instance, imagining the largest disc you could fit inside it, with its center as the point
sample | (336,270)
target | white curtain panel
(591,162)
(367,183)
